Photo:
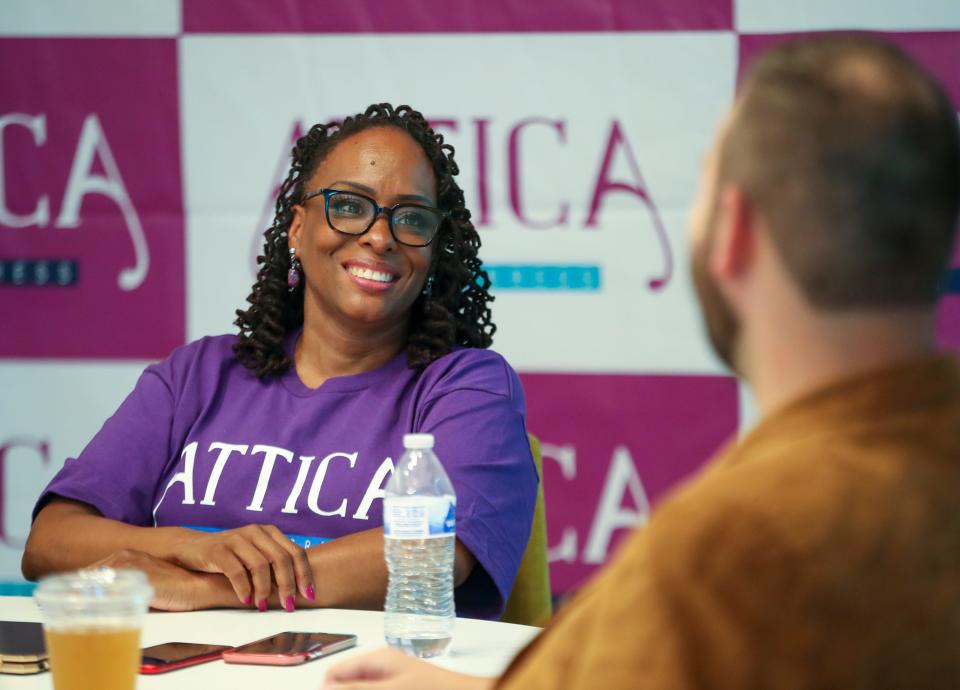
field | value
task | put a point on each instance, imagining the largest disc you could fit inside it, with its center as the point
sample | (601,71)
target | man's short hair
(851,151)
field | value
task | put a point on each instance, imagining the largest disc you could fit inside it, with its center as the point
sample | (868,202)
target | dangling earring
(428,288)
(293,275)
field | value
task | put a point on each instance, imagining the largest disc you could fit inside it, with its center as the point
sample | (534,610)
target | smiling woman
(358,271)
(249,470)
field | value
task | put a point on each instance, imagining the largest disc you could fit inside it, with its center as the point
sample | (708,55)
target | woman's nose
(379,237)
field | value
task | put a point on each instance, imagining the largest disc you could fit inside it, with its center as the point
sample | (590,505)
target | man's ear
(734,244)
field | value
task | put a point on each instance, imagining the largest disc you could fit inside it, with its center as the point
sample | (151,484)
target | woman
(249,470)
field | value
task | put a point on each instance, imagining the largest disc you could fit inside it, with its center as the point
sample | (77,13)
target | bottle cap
(417,441)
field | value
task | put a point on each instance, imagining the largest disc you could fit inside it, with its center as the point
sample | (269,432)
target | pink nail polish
(311,595)
(288,604)
(262,605)
(248,601)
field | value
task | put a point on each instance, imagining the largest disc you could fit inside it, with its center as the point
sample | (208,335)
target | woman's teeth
(369,274)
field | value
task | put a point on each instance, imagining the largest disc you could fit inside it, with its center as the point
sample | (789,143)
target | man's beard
(723,328)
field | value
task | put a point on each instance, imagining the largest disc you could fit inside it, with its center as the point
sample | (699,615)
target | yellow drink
(91,621)
(94,658)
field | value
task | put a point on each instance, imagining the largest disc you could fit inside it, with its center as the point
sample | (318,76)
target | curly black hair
(457,311)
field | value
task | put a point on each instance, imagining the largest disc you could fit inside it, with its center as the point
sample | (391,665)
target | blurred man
(823,550)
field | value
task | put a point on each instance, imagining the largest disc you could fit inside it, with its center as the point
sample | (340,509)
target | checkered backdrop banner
(142,141)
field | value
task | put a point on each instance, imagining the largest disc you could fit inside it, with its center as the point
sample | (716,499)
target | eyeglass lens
(353,214)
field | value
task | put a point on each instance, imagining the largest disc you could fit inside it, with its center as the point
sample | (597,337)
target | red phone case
(150,669)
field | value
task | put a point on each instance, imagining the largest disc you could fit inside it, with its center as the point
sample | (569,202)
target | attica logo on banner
(481,134)
(91,217)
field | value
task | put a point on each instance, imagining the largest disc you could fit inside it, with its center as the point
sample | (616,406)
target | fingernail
(311,595)
(262,605)
(248,601)
(288,604)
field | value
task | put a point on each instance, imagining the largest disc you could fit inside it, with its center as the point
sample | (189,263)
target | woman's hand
(174,588)
(252,558)
(389,669)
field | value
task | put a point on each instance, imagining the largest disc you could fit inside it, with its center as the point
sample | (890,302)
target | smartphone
(170,656)
(16,668)
(22,649)
(289,648)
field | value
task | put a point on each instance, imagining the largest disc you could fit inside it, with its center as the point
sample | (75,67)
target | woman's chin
(368,317)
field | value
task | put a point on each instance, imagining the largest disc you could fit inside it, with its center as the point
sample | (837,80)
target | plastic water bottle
(419,516)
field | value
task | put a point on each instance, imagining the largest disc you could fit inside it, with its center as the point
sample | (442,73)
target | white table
(479,647)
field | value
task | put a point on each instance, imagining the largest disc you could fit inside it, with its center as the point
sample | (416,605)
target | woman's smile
(371,276)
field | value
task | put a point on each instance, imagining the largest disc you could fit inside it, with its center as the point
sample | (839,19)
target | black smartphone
(289,648)
(22,650)
(170,656)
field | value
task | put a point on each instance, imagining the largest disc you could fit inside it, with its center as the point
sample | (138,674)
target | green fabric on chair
(529,602)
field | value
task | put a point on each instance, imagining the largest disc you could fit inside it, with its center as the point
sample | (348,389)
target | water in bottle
(419,515)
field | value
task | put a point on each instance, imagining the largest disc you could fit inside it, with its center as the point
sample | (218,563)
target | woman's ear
(297,213)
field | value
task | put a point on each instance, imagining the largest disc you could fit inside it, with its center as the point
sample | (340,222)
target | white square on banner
(90,18)
(763,16)
(55,411)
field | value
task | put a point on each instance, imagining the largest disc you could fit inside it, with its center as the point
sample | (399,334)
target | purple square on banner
(91,215)
(479,16)
(612,446)
(939,52)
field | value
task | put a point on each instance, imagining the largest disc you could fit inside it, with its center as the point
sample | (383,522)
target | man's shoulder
(775,488)
(813,500)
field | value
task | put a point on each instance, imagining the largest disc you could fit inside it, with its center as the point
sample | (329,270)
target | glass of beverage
(91,623)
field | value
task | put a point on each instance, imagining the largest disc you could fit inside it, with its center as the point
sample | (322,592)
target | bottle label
(419,517)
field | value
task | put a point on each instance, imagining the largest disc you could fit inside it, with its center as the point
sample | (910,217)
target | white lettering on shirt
(186,478)
(270,454)
(374,489)
(314,495)
(218,456)
(291,505)
(226,449)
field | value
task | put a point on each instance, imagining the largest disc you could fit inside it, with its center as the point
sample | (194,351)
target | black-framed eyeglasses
(414,225)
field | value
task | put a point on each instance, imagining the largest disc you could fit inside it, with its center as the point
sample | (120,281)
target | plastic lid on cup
(92,591)
(417,441)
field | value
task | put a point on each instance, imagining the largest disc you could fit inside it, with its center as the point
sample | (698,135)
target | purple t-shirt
(201,442)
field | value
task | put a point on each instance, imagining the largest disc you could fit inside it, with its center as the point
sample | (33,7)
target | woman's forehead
(382,158)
